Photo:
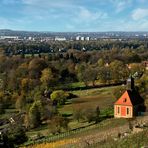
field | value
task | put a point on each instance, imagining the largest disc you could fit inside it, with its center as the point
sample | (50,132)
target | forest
(36,83)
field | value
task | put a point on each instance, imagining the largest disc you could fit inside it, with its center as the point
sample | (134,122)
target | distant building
(9,37)
(130,104)
(87,38)
(60,39)
(46,39)
(82,38)
(30,38)
(77,38)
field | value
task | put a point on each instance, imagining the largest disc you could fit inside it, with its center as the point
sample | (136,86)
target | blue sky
(74,15)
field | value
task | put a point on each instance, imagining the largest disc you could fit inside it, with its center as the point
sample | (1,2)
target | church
(130,104)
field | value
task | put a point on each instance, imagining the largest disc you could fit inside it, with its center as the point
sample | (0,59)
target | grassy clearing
(87,99)
(91,98)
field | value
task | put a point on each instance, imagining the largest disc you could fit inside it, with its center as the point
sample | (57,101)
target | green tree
(104,74)
(35,112)
(16,135)
(20,102)
(119,71)
(59,96)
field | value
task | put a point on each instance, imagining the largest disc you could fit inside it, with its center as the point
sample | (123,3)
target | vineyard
(94,130)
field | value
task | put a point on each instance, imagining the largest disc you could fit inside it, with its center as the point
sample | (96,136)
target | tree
(35,114)
(89,114)
(59,96)
(57,123)
(25,84)
(136,68)
(78,114)
(87,73)
(20,102)
(15,135)
(97,114)
(101,62)
(2,110)
(35,67)
(119,71)
(47,77)
(81,73)
(104,74)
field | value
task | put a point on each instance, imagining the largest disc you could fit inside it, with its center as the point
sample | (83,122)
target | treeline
(55,46)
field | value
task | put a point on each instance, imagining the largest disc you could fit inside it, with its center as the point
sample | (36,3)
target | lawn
(86,99)
(90,99)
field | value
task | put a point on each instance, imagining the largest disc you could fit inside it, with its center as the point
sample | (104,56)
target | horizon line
(70,31)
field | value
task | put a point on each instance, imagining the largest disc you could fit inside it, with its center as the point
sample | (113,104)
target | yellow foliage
(56,144)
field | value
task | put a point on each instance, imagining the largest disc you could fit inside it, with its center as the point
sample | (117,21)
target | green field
(86,99)
(90,98)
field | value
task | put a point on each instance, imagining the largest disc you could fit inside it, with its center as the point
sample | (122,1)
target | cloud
(86,16)
(121,5)
(14,23)
(139,13)
(141,25)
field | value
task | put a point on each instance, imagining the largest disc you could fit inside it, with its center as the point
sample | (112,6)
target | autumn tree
(59,96)
(57,123)
(47,77)
(35,67)
(136,68)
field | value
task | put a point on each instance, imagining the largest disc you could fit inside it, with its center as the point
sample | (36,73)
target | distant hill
(112,34)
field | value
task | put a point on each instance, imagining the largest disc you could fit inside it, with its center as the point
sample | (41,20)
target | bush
(15,135)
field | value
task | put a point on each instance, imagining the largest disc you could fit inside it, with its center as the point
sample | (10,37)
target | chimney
(130,83)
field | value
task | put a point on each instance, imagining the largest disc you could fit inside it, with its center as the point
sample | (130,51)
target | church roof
(130,98)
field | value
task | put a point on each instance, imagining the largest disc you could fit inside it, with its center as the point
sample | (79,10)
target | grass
(88,99)
(8,113)
(43,130)
(90,131)
(102,126)
(136,140)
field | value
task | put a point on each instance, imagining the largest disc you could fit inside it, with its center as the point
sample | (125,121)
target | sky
(74,15)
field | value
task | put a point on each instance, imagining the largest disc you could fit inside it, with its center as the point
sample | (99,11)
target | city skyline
(74,15)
